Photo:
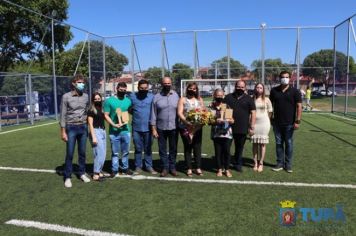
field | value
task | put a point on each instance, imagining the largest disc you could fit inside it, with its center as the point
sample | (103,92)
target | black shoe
(278,168)
(127,172)
(238,169)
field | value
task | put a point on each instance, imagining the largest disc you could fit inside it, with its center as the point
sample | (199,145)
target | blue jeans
(284,145)
(168,161)
(120,142)
(143,143)
(75,133)
(99,150)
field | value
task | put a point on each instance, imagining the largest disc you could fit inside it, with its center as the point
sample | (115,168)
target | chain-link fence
(345,68)
(34,90)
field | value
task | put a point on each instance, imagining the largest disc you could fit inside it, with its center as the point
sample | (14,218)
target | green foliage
(154,75)
(21,31)
(272,68)
(325,58)
(68,60)
(181,71)
(236,68)
(12,86)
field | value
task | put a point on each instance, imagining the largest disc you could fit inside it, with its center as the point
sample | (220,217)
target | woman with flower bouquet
(192,115)
(221,133)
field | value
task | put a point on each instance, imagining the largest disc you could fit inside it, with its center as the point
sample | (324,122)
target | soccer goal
(207,86)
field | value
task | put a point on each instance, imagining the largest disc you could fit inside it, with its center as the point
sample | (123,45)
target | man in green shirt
(119,131)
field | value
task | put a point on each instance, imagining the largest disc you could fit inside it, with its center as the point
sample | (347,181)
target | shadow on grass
(329,133)
(208,164)
(342,120)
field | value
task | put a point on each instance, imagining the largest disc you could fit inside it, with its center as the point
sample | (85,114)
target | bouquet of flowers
(198,118)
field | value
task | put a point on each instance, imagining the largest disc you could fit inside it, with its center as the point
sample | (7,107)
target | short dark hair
(240,80)
(121,85)
(284,72)
(78,77)
(142,81)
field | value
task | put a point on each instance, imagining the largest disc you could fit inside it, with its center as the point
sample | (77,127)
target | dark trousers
(222,152)
(195,145)
(168,160)
(284,145)
(79,134)
(239,140)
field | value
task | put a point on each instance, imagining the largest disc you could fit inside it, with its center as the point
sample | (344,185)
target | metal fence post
(298,57)
(163,30)
(54,74)
(104,67)
(263,26)
(89,68)
(133,63)
(30,99)
(195,55)
(347,69)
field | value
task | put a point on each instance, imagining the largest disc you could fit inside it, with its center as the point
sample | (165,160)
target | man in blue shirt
(164,125)
(142,137)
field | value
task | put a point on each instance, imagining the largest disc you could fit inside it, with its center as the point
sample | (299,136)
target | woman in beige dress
(260,138)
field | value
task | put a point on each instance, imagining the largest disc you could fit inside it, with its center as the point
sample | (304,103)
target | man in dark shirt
(244,114)
(287,107)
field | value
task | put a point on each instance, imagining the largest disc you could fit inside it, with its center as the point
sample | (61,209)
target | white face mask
(284,81)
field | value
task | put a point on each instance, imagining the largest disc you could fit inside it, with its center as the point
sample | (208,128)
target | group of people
(163,116)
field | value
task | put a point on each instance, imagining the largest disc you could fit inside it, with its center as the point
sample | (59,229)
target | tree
(21,31)
(272,68)
(114,61)
(154,75)
(236,68)
(181,71)
(315,65)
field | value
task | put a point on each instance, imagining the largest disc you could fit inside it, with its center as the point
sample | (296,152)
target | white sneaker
(85,178)
(68,183)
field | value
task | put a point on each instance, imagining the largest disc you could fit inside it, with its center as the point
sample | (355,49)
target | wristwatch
(297,122)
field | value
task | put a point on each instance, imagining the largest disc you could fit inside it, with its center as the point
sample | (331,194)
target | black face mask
(191,93)
(97,103)
(219,100)
(166,88)
(142,92)
(239,92)
(121,94)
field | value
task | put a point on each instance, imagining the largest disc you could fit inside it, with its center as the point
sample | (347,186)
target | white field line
(35,126)
(208,181)
(59,228)
(27,169)
(330,114)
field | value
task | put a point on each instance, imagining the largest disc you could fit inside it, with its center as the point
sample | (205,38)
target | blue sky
(110,17)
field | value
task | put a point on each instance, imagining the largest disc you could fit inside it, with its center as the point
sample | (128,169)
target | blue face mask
(80,86)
